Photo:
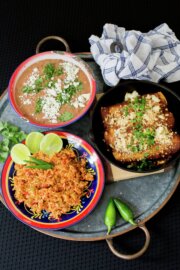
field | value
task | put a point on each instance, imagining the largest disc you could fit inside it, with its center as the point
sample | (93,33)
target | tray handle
(135,255)
(43,40)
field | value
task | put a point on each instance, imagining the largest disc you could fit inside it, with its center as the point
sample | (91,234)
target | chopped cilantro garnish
(80,86)
(65,116)
(50,84)
(126,110)
(27,89)
(59,71)
(11,135)
(143,138)
(134,148)
(139,114)
(38,85)
(145,164)
(49,71)
(142,165)
(67,93)
(38,105)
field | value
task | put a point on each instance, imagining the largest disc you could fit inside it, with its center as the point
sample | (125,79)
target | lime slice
(19,153)
(33,141)
(51,143)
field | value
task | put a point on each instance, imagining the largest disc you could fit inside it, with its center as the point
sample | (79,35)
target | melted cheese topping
(139,123)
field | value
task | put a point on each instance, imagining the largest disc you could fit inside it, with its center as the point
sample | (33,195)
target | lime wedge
(51,143)
(19,153)
(33,141)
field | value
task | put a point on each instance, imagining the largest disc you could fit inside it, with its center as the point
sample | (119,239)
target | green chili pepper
(124,211)
(110,215)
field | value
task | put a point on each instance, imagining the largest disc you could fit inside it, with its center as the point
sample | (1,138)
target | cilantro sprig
(67,93)
(50,71)
(43,81)
(38,105)
(38,86)
(144,136)
(66,116)
(9,136)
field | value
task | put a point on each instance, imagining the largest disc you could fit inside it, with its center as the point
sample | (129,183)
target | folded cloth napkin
(123,54)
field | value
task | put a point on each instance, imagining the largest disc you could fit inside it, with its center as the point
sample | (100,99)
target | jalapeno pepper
(110,215)
(124,211)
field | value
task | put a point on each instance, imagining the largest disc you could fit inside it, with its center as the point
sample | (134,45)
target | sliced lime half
(51,143)
(20,153)
(33,141)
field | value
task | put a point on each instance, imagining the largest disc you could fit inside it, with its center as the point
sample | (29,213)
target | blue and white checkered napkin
(125,54)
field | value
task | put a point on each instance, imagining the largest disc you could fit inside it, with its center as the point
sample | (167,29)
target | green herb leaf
(79,87)
(11,135)
(67,93)
(49,71)
(126,110)
(65,116)
(27,89)
(38,85)
(146,155)
(59,71)
(38,105)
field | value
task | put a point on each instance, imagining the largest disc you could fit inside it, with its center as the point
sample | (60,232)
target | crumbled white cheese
(27,102)
(76,83)
(51,92)
(154,98)
(80,101)
(123,122)
(54,121)
(58,86)
(131,96)
(32,78)
(71,71)
(50,108)
(163,135)
(122,140)
(75,104)
(83,98)
(149,117)
(132,115)
(156,108)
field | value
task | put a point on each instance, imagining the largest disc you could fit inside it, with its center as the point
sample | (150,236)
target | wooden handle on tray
(135,255)
(62,40)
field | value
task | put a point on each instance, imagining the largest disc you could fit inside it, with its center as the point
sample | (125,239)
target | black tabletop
(22,25)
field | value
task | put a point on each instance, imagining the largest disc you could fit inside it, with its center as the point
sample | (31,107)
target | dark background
(22,25)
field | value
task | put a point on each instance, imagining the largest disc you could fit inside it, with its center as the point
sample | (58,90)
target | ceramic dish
(88,201)
(115,96)
(35,91)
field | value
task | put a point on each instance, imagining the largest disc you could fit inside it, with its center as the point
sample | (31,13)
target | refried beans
(52,91)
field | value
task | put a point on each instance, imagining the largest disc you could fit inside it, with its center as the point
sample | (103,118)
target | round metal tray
(145,195)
